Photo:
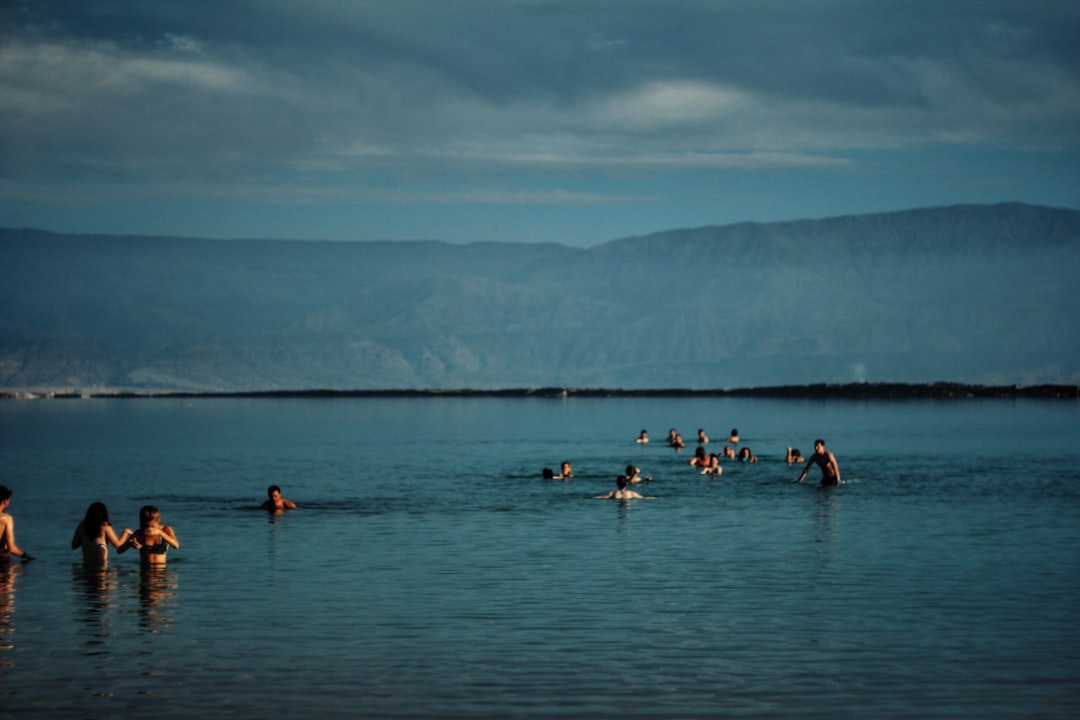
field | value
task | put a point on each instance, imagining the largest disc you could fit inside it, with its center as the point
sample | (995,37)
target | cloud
(276,94)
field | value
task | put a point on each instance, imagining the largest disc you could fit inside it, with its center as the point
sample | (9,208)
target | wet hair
(97,516)
(819,441)
(4,493)
(795,452)
(621,481)
(548,474)
(631,471)
(270,490)
(734,431)
(148,514)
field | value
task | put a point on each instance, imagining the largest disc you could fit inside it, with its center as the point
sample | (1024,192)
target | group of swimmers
(95,532)
(675,440)
(709,464)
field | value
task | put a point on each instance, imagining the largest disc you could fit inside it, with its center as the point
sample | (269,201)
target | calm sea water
(430,572)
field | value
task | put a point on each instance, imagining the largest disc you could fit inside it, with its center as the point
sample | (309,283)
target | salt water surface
(431,573)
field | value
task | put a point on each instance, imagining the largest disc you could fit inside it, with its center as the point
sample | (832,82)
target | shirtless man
(830,471)
(8,546)
(622,492)
(274,502)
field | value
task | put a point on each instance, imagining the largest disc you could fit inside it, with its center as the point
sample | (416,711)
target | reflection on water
(9,574)
(828,519)
(157,597)
(96,588)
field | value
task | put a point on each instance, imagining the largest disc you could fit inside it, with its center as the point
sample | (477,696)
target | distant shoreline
(937,390)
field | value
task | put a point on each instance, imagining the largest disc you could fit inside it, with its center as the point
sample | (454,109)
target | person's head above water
(96,516)
(148,514)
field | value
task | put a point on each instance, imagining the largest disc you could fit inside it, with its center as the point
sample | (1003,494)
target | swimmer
(94,534)
(699,458)
(746,456)
(702,438)
(794,456)
(671,435)
(565,472)
(712,465)
(677,443)
(733,436)
(152,539)
(8,546)
(275,503)
(830,470)
(633,475)
(729,452)
(622,492)
(642,438)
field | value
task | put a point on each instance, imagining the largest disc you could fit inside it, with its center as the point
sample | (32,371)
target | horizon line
(849,390)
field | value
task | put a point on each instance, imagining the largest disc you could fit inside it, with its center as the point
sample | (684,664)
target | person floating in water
(152,539)
(746,456)
(830,470)
(8,546)
(712,465)
(274,501)
(565,472)
(702,438)
(699,459)
(794,456)
(94,535)
(622,492)
(642,438)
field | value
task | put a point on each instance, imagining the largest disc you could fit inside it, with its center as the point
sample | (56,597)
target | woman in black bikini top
(152,539)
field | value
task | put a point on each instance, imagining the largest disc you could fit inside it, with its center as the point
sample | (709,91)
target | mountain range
(973,294)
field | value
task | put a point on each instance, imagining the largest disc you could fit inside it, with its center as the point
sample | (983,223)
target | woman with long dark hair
(94,534)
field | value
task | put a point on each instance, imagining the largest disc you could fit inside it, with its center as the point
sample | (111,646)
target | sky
(575,122)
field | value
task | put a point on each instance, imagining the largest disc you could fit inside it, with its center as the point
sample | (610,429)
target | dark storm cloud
(369,95)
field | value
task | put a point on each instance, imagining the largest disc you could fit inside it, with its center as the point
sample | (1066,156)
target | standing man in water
(830,471)
(8,546)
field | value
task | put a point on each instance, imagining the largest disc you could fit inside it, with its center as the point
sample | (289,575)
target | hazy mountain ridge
(981,294)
